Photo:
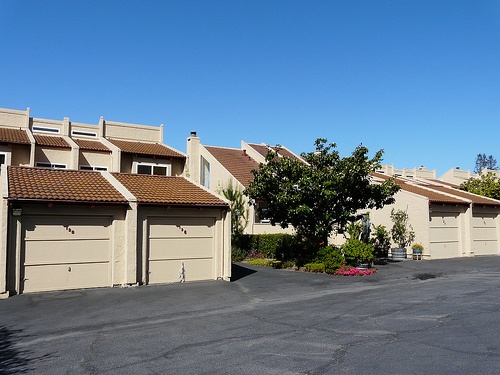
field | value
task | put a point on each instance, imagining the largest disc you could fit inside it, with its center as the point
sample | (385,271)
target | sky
(418,79)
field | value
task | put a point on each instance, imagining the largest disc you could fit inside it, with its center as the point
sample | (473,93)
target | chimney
(192,167)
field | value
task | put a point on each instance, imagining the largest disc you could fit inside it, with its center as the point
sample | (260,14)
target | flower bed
(346,270)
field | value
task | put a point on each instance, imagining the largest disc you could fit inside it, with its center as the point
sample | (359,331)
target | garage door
(484,234)
(444,235)
(66,253)
(173,241)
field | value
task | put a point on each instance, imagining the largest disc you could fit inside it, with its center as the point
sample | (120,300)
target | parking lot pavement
(411,317)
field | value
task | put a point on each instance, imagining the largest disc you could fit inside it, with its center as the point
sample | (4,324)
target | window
(204,172)
(50,165)
(84,134)
(91,168)
(3,159)
(45,129)
(262,219)
(159,170)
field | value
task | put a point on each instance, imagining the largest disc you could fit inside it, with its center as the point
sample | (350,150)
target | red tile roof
(10,135)
(51,141)
(432,195)
(167,190)
(238,163)
(41,184)
(143,148)
(86,144)
(476,200)
(263,150)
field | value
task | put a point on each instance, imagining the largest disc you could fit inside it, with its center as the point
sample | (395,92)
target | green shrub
(333,260)
(315,267)
(356,252)
(288,264)
(260,262)
(237,254)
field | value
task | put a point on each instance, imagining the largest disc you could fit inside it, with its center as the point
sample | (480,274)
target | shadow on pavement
(239,272)
(12,359)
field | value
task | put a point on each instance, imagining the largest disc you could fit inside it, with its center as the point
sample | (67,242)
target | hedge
(278,246)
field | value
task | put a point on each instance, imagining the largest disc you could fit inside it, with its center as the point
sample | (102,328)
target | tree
(239,208)
(487,185)
(483,161)
(321,195)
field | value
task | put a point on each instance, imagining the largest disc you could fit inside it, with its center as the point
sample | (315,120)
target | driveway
(412,317)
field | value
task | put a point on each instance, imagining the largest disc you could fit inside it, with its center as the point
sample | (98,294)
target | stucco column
(466,232)
(226,233)
(131,244)
(3,246)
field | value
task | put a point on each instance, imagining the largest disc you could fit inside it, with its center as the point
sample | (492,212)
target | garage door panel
(443,219)
(443,250)
(202,227)
(484,221)
(484,234)
(58,252)
(485,247)
(443,234)
(178,248)
(165,271)
(75,229)
(63,276)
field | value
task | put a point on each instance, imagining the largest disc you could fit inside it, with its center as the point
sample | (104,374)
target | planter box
(398,254)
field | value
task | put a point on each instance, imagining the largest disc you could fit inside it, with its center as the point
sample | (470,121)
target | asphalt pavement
(411,317)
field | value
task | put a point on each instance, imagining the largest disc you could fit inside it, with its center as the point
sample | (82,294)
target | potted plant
(401,232)
(417,249)
(381,241)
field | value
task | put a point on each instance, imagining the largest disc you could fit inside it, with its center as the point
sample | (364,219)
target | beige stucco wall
(133,132)
(418,211)
(16,155)
(14,119)
(95,159)
(53,155)
(50,124)
(456,176)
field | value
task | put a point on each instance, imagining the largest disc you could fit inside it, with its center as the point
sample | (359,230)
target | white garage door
(66,253)
(444,235)
(484,234)
(177,240)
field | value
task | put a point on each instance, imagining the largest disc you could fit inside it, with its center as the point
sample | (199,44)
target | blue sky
(419,79)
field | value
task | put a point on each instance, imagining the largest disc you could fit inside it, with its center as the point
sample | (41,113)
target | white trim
(92,168)
(168,168)
(51,165)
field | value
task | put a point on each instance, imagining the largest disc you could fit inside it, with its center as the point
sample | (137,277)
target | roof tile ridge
(493,200)
(429,188)
(118,186)
(225,148)
(215,195)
